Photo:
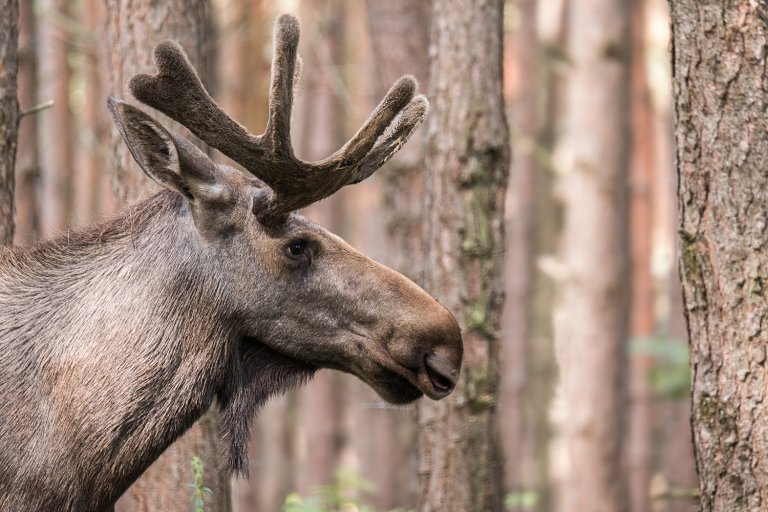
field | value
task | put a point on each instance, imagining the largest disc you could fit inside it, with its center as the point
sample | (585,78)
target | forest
(587,196)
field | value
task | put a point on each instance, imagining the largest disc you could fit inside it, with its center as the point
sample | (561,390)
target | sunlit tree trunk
(523,89)
(529,370)
(467,163)
(9,114)
(720,91)
(27,159)
(640,419)
(133,30)
(591,318)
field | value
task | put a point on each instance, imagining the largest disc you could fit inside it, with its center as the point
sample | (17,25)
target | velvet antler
(177,91)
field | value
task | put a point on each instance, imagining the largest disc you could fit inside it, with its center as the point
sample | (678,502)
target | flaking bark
(720,88)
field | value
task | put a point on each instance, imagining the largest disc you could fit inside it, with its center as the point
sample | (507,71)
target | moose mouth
(404,385)
(441,384)
(396,390)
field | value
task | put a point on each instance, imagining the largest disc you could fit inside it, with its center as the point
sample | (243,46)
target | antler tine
(284,75)
(177,91)
(353,152)
(393,139)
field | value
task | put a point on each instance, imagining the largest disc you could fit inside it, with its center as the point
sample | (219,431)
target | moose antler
(177,91)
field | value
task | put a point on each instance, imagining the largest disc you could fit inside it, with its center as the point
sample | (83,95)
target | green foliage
(671,376)
(198,489)
(341,496)
(521,500)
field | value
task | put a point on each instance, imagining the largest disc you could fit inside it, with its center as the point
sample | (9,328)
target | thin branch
(36,109)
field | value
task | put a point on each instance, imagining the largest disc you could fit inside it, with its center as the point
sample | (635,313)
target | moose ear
(171,161)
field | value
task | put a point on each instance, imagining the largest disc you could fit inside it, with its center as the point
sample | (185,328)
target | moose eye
(299,250)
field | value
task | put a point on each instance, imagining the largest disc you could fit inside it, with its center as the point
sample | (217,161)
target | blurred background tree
(335,436)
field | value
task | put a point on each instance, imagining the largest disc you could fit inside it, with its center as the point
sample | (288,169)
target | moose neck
(129,343)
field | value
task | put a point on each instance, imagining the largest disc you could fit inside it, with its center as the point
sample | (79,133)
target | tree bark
(591,317)
(524,93)
(27,157)
(529,368)
(133,30)
(9,114)
(467,163)
(720,91)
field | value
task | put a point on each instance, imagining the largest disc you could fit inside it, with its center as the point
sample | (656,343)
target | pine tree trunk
(9,113)
(133,30)
(591,318)
(527,354)
(91,169)
(536,223)
(467,164)
(640,418)
(134,27)
(721,96)
(55,127)
(27,156)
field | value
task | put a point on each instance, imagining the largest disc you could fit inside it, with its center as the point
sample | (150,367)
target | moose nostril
(438,376)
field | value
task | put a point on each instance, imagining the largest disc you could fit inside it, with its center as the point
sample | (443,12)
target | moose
(115,339)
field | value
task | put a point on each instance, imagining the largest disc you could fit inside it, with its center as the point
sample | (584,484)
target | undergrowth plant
(340,496)
(198,489)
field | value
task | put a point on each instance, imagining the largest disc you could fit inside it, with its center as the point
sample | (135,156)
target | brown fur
(115,339)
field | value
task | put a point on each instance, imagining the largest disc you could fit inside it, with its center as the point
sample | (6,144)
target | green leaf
(664,349)
(521,499)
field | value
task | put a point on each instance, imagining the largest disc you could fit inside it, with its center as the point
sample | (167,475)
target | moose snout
(442,361)
(441,373)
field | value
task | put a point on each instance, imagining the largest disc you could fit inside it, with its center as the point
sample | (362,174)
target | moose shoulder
(115,339)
